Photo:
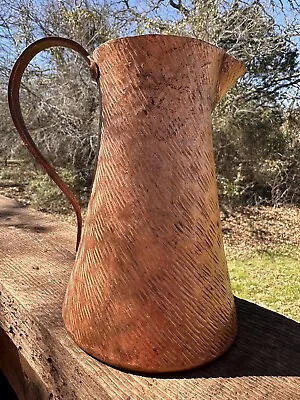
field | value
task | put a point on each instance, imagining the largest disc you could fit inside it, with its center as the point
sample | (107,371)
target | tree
(256,144)
(60,101)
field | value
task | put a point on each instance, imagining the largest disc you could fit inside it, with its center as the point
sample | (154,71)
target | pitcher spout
(230,70)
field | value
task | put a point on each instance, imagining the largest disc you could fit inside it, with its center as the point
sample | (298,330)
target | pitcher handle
(15,110)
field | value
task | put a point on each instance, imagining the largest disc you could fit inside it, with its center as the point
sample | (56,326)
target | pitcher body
(150,288)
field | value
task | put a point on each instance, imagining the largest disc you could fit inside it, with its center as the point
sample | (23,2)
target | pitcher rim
(191,38)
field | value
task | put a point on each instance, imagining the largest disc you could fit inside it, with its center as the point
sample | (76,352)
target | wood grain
(36,258)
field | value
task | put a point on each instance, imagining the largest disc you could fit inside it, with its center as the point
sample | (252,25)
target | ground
(249,229)
(261,243)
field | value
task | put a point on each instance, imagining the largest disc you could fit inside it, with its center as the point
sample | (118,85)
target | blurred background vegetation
(256,126)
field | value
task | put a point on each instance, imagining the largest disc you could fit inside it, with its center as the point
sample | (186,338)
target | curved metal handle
(15,110)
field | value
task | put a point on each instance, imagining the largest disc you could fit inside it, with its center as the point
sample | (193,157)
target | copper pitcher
(149,290)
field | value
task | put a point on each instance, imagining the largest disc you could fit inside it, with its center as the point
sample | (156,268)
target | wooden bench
(41,361)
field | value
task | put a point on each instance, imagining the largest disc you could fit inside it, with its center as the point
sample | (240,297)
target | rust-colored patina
(150,290)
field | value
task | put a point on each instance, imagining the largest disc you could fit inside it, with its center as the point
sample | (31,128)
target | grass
(271,278)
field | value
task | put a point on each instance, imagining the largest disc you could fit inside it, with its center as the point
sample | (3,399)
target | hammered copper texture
(150,289)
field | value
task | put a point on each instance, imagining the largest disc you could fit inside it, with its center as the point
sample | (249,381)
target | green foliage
(230,192)
(271,279)
(46,196)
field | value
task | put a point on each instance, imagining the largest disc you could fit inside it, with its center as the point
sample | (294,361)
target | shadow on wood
(18,373)
(10,364)
(14,216)
(268,344)
(5,389)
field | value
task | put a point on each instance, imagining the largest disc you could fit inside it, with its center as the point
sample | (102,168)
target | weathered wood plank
(36,256)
